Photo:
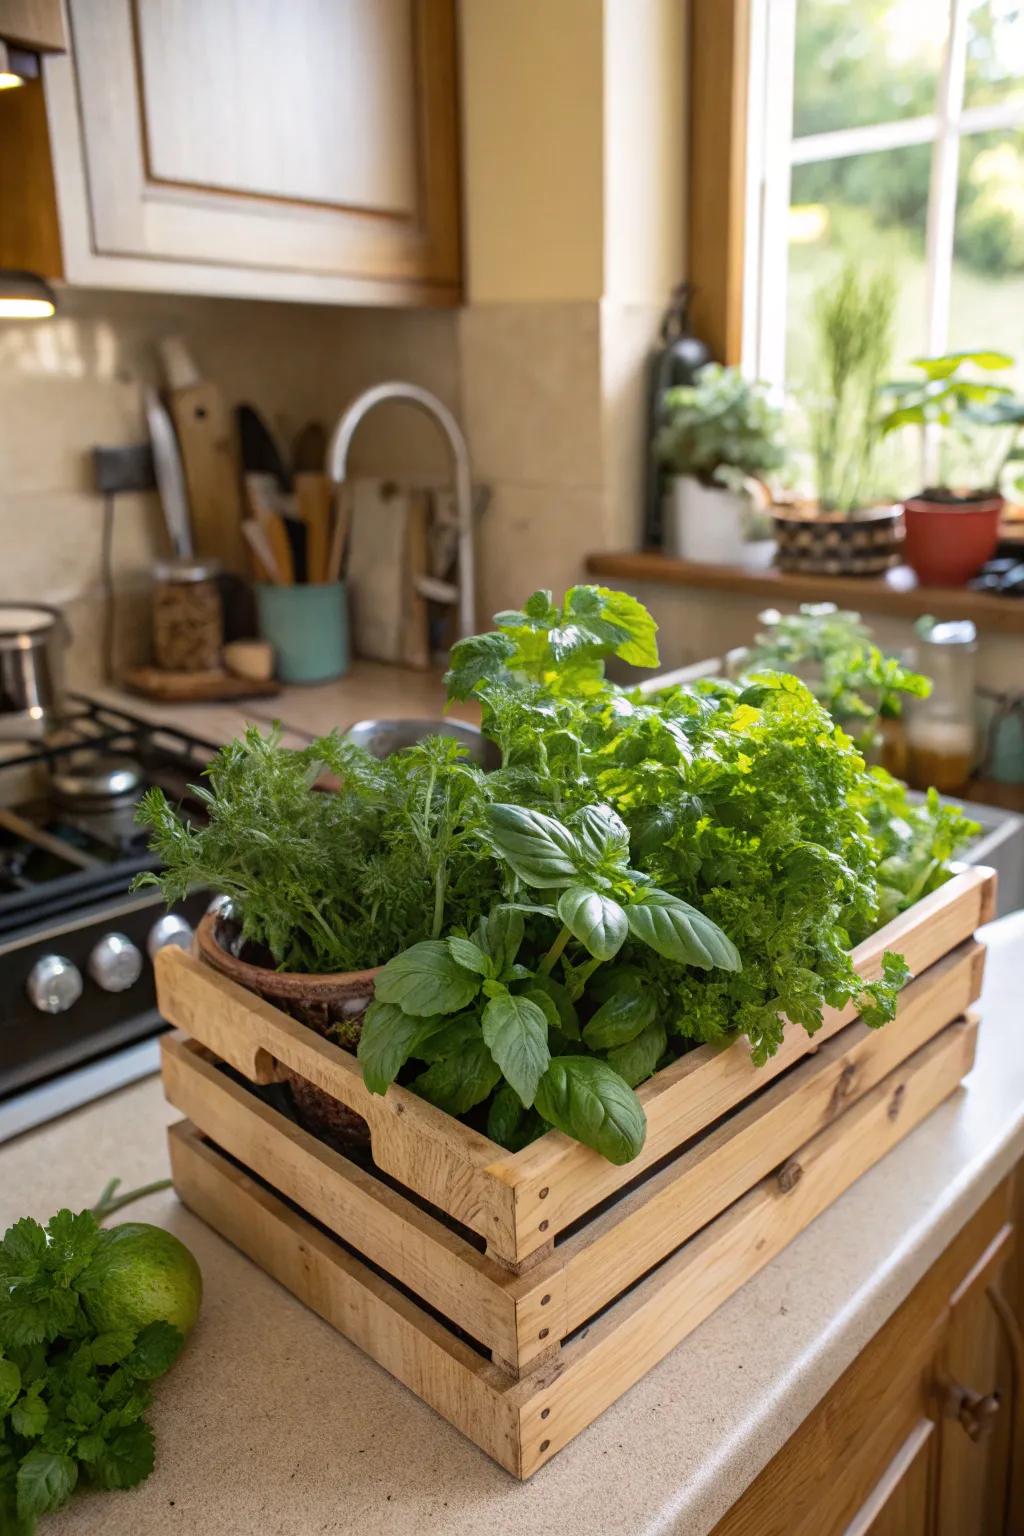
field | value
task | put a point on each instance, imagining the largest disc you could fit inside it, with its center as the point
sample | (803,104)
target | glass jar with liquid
(941,730)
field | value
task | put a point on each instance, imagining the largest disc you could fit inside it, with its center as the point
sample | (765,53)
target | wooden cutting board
(195,687)
(376,567)
(206,435)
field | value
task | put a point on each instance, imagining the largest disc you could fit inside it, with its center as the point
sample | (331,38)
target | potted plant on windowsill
(833,654)
(720,436)
(846,532)
(951,532)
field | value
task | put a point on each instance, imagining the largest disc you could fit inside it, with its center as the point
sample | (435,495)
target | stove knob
(172,928)
(54,984)
(116,963)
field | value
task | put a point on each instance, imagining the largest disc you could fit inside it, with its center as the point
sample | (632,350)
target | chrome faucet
(337,461)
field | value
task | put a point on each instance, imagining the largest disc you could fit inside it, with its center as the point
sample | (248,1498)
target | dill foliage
(331,881)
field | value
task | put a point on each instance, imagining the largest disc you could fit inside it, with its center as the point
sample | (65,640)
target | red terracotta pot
(333,1005)
(948,542)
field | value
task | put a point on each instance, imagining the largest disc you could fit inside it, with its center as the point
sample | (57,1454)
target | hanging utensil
(170,474)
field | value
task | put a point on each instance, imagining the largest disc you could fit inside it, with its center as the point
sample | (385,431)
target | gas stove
(78,1010)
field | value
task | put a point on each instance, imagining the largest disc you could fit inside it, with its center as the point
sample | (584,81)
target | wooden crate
(722,1184)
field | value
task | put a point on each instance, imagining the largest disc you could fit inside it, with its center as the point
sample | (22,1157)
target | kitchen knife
(170,475)
(260,453)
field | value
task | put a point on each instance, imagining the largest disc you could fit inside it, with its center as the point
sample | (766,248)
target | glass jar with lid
(941,730)
(188,616)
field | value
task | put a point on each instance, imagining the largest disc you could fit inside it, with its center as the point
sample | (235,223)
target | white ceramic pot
(711,524)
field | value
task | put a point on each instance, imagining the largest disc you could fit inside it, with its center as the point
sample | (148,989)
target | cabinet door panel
(316,136)
(900,1503)
(314,101)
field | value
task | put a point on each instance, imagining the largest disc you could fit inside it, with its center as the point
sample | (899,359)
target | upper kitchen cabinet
(305,150)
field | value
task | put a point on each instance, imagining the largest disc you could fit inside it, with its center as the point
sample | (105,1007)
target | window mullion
(778,135)
(942,192)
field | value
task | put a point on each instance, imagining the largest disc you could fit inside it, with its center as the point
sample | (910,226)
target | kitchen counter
(274,1422)
(370,690)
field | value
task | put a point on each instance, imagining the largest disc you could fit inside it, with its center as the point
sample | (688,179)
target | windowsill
(898,592)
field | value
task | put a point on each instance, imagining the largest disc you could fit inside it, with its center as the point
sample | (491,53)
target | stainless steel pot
(32,641)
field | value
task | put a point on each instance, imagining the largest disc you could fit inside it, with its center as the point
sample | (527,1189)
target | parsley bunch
(72,1398)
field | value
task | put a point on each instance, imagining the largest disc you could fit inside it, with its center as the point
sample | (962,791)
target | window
(890,133)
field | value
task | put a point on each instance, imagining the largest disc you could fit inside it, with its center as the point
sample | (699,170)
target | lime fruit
(142,1274)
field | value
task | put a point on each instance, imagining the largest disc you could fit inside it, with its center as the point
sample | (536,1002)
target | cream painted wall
(644,148)
(532,133)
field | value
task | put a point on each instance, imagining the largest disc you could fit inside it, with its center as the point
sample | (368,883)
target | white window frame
(772,152)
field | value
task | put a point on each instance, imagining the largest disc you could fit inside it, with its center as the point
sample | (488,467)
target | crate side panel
(421,1253)
(607,1254)
(450,1377)
(557,1180)
(596,1368)
(437,1156)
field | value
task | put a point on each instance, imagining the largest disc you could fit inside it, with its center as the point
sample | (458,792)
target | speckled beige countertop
(272,1422)
(370,690)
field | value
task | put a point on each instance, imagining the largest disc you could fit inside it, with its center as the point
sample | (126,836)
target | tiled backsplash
(550,396)
(75,381)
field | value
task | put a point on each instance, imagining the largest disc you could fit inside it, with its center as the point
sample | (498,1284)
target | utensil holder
(308,627)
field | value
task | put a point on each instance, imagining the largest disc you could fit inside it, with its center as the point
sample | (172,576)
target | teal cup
(308,627)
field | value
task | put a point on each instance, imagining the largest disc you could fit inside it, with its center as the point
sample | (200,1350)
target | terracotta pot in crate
(829,544)
(332,1004)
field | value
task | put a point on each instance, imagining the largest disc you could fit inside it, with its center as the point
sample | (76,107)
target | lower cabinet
(924,1434)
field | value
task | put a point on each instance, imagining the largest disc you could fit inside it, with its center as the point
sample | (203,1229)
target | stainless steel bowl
(382,737)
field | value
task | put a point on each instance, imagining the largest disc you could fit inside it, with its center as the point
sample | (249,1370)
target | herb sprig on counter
(73,1394)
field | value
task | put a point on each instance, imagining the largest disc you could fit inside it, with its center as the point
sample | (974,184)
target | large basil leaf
(602,835)
(620,1019)
(443,1037)
(509,1124)
(636,1060)
(568,1023)
(425,979)
(470,956)
(540,849)
(500,933)
(459,1082)
(516,1032)
(389,1037)
(596,920)
(679,932)
(589,1101)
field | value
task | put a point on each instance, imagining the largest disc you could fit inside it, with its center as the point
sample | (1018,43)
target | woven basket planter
(829,544)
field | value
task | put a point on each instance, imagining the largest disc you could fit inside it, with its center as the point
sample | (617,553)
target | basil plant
(494,1014)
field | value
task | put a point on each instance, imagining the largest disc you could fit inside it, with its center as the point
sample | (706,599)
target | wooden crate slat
(704,1084)
(609,1252)
(409,1243)
(522,1319)
(512,1420)
(593,1371)
(518,1202)
(422,1147)
(460,1384)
